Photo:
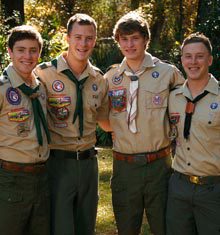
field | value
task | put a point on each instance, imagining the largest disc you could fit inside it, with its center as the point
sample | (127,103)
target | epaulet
(175,88)
(98,70)
(3,80)
(45,65)
(112,67)
(156,60)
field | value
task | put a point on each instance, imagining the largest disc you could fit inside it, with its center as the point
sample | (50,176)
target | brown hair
(130,23)
(23,32)
(196,38)
(81,19)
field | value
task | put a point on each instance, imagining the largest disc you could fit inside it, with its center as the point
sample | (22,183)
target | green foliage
(103,138)
(209,24)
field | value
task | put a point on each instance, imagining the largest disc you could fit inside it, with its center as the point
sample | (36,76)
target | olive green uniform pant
(24,203)
(74,194)
(138,187)
(192,209)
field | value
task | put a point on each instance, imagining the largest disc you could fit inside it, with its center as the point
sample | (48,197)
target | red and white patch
(58,86)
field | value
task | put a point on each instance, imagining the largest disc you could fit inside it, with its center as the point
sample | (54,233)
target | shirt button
(188,148)
(79,138)
(188,163)
(209,122)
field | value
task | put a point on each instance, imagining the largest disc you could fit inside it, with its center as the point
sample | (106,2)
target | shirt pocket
(156,97)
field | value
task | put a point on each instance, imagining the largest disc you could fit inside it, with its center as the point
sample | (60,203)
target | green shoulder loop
(45,65)
(98,70)
(112,67)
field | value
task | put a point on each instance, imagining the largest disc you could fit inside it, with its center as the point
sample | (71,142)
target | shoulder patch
(3,80)
(112,67)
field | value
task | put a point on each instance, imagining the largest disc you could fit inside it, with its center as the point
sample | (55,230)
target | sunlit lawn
(105,219)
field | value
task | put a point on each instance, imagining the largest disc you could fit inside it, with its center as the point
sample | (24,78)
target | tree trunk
(13,12)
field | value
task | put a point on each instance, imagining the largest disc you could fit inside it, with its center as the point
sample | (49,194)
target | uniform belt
(22,167)
(146,157)
(77,155)
(201,180)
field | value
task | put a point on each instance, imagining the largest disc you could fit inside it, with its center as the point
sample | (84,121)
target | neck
(135,65)
(197,87)
(27,78)
(76,66)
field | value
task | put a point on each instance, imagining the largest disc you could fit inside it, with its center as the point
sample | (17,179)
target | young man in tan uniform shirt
(194,108)
(77,100)
(24,191)
(141,166)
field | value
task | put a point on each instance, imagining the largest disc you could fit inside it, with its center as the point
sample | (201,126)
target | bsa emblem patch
(117,80)
(19,115)
(94,87)
(155,74)
(23,129)
(13,96)
(214,105)
(157,100)
(58,86)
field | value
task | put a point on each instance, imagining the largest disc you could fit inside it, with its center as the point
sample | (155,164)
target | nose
(194,59)
(130,43)
(83,42)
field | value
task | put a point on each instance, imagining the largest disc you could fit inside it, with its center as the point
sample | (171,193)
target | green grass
(105,219)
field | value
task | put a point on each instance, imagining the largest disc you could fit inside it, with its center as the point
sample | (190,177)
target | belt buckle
(195,179)
(77,155)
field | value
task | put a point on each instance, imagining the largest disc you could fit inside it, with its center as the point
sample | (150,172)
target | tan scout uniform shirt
(18,138)
(61,105)
(200,154)
(152,118)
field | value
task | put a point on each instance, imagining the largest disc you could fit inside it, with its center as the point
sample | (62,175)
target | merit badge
(173,133)
(214,105)
(155,74)
(117,80)
(157,100)
(62,113)
(174,118)
(18,115)
(118,99)
(58,86)
(94,87)
(23,129)
(59,101)
(13,96)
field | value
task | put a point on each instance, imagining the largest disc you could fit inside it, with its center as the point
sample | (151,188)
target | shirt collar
(148,62)
(16,80)
(211,87)
(62,65)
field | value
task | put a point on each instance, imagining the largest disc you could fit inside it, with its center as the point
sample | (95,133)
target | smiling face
(132,46)
(24,56)
(196,60)
(81,40)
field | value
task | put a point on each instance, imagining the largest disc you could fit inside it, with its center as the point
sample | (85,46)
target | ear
(67,38)
(10,52)
(210,60)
